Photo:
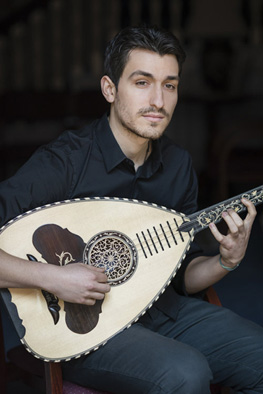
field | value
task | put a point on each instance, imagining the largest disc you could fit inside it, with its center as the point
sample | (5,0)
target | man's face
(147,94)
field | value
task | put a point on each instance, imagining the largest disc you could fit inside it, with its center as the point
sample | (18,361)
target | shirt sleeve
(188,207)
(178,282)
(44,178)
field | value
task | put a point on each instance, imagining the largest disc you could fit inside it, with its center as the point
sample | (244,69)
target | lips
(153,117)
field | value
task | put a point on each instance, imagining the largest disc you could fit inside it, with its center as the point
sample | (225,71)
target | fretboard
(201,219)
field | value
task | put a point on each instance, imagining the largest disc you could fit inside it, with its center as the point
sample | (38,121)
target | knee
(191,375)
(196,375)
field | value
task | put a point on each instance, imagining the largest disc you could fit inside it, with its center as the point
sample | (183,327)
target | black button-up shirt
(89,163)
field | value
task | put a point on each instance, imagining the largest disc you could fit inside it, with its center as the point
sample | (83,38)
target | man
(182,343)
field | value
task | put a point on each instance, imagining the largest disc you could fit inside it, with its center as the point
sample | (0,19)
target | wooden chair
(33,371)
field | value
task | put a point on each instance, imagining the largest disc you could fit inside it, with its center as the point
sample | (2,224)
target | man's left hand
(233,245)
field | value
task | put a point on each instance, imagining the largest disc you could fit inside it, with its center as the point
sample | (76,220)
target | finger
(251,209)
(236,226)
(98,284)
(235,217)
(90,301)
(231,221)
(93,268)
(100,275)
(98,293)
(102,288)
(95,296)
(216,233)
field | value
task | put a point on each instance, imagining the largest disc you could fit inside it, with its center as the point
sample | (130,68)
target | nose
(156,99)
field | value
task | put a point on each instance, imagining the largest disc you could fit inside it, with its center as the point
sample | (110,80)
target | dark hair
(149,38)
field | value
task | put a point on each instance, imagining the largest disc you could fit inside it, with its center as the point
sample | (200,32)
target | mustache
(152,110)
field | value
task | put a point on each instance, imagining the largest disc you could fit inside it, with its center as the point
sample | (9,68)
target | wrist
(47,278)
(227,267)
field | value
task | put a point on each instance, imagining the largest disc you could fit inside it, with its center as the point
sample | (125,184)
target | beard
(149,132)
(152,131)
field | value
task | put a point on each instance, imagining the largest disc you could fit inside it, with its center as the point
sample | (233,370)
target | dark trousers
(206,344)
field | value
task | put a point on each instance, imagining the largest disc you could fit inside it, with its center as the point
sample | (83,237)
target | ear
(108,89)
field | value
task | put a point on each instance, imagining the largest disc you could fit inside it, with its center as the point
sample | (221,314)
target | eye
(170,86)
(141,83)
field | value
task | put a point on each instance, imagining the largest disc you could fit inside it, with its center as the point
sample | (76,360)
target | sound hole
(113,251)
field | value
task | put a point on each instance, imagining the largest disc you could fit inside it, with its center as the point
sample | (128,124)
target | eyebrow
(149,75)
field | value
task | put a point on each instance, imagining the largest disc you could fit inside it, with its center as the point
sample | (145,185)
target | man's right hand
(76,283)
(80,283)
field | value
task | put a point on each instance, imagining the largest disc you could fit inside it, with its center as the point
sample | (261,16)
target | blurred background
(51,62)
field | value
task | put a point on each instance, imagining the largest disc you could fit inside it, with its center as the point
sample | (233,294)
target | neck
(134,147)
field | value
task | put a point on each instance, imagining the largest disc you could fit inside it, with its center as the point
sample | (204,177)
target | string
(170,232)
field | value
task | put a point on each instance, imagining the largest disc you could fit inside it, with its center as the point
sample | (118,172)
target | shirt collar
(113,155)
(111,151)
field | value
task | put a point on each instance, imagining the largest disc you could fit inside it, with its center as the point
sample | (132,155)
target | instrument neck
(200,220)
